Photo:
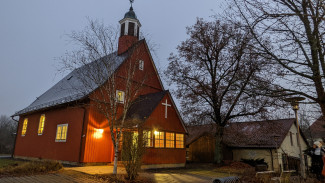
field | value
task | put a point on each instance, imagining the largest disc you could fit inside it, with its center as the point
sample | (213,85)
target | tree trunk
(218,151)
(115,158)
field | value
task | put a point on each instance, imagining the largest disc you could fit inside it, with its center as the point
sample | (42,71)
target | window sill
(60,140)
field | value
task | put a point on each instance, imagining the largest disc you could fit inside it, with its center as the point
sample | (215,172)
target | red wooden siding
(152,82)
(44,146)
(157,121)
(97,149)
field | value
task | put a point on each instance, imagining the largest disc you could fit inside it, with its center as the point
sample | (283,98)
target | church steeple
(130,29)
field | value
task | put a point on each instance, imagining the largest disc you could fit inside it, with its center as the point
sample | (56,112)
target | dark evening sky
(33,35)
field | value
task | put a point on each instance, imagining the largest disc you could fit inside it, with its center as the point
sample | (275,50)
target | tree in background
(96,64)
(296,30)
(8,128)
(218,74)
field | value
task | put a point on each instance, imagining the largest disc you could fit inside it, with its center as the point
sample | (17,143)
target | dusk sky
(33,35)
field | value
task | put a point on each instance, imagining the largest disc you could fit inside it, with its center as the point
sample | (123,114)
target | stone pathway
(64,177)
(180,178)
(81,174)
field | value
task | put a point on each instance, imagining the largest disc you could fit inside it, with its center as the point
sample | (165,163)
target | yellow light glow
(98,133)
(156,132)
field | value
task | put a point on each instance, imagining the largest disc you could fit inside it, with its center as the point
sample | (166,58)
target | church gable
(145,70)
(165,117)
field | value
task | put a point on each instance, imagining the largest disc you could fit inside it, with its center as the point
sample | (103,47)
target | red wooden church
(61,125)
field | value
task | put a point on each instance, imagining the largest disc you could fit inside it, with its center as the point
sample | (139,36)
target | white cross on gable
(166,105)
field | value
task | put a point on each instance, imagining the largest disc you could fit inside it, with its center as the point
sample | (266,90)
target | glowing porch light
(156,132)
(98,133)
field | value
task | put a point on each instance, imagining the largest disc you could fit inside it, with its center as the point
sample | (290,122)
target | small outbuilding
(275,141)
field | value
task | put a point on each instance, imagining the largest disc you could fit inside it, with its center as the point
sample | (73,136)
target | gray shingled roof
(257,134)
(317,129)
(144,105)
(71,88)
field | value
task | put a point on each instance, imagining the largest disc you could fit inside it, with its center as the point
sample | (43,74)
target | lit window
(170,140)
(148,138)
(41,124)
(23,131)
(141,65)
(159,139)
(61,133)
(179,140)
(120,96)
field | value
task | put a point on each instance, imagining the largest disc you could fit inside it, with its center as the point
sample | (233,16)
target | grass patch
(10,167)
(9,162)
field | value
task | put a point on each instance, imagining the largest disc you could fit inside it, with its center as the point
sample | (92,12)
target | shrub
(132,151)
(30,167)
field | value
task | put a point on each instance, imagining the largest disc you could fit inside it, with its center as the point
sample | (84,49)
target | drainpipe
(13,150)
(272,159)
(82,133)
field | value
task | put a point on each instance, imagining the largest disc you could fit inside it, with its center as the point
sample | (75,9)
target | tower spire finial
(131,1)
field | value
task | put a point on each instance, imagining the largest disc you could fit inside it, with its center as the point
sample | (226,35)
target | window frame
(39,125)
(160,139)
(177,140)
(141,65)
(148,138)
(117,96)
(170,141)
(66,133)
(291,139)
(24,127)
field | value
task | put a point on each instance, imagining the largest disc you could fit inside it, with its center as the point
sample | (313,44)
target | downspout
(13,150)
(272,159)
(82,133)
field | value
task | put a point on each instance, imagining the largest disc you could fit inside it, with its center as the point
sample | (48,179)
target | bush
(30,167)
(132,151)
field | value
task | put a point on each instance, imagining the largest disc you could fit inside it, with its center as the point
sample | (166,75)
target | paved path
(93,170)
(61,177)
(79,174)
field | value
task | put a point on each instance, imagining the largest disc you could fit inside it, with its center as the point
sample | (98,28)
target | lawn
(12,167)
(6,162)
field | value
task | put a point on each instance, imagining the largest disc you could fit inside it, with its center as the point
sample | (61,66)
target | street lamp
(294,101)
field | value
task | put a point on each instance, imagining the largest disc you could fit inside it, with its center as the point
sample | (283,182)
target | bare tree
(8,129)
(296,30)
(101,74)
(218,74)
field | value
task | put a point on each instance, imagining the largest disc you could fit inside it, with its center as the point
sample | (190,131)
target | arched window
(23,131)
(41,124)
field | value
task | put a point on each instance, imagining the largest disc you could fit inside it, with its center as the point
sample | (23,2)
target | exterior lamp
(294,101)
(98,133)
(156,132)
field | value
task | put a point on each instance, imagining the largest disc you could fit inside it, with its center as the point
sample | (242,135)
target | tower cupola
(129,30)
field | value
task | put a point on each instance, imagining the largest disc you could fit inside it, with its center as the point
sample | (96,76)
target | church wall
(148,75)
(98,146)
(157,119)
(158,122)
(44,146)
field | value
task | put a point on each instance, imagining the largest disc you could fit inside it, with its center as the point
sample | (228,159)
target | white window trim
(40,123)
(141,65)
(66,124)
(121,102)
